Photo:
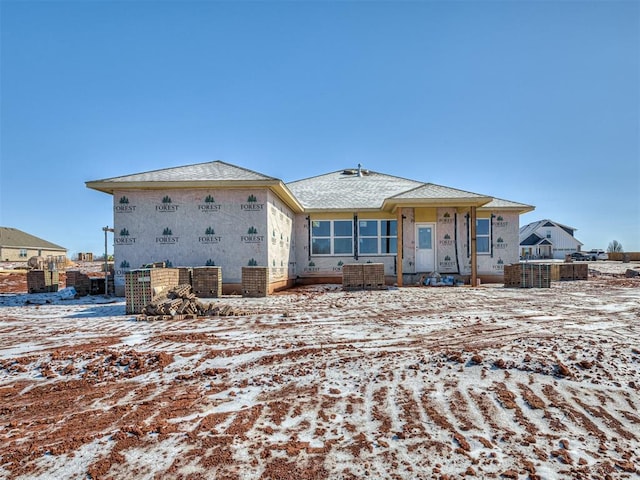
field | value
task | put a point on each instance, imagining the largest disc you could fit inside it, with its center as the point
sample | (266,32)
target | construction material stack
(179,303)
(184,275)
(207,282)
(580,271)
(352,276)
(145,285)
(42,281)
(373,276)
(363,276)
(569,271)
(80,281)
(527,275)
(255,281)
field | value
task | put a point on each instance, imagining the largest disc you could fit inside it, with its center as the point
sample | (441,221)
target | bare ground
(319,383)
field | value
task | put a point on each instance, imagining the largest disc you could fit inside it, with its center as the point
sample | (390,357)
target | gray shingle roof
(501,203)
(530,228)
(14,238)
(340,190)
(210,175)
(531,240)
(210,171)
(345,190)
(432,191)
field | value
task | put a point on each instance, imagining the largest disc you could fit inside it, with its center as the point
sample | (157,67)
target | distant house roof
(14,238)
(525,230)
(533,240)
(529,230)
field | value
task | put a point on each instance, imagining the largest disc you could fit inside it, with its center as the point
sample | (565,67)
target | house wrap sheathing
(304,231)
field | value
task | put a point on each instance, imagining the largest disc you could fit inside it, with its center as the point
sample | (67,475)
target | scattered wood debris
(180,303)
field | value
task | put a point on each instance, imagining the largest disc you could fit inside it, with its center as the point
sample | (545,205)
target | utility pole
(106,260)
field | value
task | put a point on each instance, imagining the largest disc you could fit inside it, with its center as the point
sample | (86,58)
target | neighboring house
(547,239)
(304,231)
(19,246)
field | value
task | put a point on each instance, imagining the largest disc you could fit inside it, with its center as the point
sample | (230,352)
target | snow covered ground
(318,383)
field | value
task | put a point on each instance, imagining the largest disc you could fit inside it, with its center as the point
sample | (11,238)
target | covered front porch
(437,230)
(537,250)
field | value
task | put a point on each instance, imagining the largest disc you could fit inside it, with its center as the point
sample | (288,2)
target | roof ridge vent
(360,172)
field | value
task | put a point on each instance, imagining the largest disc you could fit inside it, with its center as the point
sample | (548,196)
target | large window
(23,252)
(332,237)
(377,237)
(483,235)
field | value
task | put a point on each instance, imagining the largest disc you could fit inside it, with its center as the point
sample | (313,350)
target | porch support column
(399,248)
(474,252)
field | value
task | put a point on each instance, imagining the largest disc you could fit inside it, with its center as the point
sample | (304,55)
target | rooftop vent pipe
(360,172)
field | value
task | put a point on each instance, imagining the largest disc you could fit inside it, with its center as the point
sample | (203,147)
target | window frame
(332,237)
(484,235)
(380,237)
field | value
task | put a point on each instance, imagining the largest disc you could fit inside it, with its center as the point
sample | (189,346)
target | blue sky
(536,102)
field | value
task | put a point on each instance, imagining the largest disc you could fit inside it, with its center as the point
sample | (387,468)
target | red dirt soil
(318,383)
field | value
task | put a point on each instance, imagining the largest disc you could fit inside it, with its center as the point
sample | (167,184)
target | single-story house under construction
(219,214)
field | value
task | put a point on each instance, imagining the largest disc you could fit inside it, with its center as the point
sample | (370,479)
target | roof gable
(12,237)
(545,223)
(531,240)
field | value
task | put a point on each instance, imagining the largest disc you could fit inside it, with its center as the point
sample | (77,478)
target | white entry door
(425,249)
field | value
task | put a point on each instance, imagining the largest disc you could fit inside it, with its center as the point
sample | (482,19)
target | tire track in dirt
(403,393)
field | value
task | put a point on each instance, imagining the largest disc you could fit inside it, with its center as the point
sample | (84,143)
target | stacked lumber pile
(181,303)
